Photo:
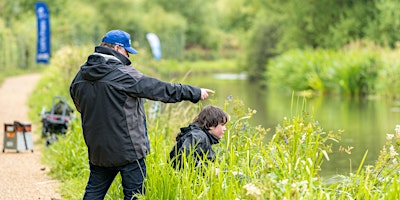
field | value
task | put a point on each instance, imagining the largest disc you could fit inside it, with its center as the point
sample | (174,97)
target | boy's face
(218,131)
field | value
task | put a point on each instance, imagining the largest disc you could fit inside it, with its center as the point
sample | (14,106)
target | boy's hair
(211,116)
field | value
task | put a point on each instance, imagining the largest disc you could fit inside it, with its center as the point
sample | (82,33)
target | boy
(197,138)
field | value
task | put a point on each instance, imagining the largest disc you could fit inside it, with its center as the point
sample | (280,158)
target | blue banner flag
(43,28)
(155,45)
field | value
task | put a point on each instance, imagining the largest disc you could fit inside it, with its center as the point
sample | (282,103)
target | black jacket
(108,93)
(194,141)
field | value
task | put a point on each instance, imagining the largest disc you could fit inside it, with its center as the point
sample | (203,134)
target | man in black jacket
(109,94)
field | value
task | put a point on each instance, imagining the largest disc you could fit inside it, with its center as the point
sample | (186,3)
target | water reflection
(365,122)
(241,76)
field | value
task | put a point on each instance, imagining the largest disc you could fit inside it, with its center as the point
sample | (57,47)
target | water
(365,122)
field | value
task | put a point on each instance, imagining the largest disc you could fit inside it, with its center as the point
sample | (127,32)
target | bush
(351,72)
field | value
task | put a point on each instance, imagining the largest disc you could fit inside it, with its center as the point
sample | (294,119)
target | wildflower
(397,129)
(383,151)
(284,182)
(389,136)
(244,127)
(285,140)
(346,150)
(229,98)
(393,152)
(299,187)
(303,138)
(304,186)
(252,191)
(369,168)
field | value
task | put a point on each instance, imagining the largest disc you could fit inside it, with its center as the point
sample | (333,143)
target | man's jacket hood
(102,62)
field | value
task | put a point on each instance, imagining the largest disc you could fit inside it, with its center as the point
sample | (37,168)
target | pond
(365,122)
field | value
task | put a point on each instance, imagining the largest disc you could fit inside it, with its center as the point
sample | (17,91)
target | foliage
(17,50)
(263,45)
(384,27)
(352,23)
(200,20)
(173,69)
(239,15)
(70,27)
(87,29)
(352,71)
(203,29)
(322,24)
(389,82)
(170,28)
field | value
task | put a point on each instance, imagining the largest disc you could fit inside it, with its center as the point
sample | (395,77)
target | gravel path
(22,175)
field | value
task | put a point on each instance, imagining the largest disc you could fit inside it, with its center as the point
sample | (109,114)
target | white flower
(397,129)
(393,152)
(284,182)
(303,138)
(389,136)
(252,190)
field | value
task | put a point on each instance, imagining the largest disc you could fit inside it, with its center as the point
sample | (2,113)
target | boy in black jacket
(196,139)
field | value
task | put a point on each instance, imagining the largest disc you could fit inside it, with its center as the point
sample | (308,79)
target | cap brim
(131,50)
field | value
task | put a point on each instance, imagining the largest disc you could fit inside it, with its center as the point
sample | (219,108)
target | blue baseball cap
(120,38)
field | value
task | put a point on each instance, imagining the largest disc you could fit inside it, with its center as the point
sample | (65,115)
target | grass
(17,72)
(286,167)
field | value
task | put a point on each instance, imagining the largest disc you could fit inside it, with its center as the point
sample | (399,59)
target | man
(109,94)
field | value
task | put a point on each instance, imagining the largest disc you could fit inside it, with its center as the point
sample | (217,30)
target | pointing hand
(204,93)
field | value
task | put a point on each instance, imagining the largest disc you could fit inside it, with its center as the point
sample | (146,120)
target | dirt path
(22,175)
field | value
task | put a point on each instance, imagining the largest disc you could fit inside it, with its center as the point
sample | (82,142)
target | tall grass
(358,70)
(287,166)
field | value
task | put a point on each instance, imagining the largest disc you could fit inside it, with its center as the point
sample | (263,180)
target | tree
(201,20)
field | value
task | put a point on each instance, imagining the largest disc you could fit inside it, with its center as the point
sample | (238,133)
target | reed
(365,70)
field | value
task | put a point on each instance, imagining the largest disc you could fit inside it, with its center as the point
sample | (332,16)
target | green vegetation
(357,70)
(287,166)
(248,32)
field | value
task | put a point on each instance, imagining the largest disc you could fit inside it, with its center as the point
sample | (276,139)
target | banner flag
(155,45)
(43,33)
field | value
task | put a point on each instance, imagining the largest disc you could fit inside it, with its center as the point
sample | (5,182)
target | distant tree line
(251,31)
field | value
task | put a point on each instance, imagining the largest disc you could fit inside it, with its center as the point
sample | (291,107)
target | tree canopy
(251,31)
